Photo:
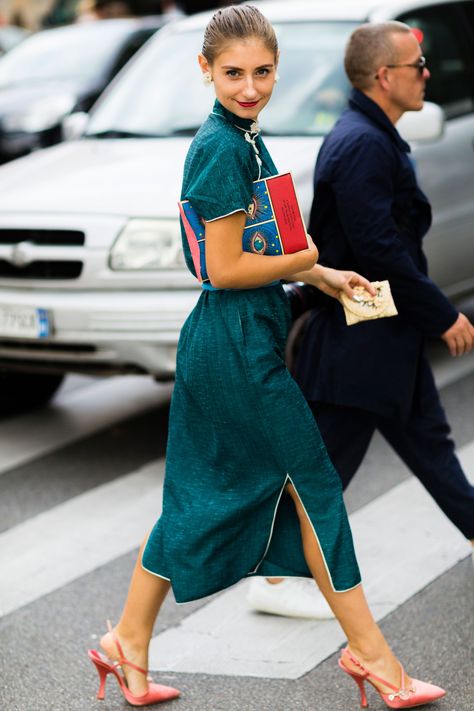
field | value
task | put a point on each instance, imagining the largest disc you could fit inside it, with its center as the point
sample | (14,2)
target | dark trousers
(422,443)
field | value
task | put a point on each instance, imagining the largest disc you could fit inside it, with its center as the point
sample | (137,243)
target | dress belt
(208,286)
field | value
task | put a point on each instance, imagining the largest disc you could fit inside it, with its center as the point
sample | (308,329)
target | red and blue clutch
(274,223)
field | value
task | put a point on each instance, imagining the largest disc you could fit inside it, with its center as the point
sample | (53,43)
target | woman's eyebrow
(240,69)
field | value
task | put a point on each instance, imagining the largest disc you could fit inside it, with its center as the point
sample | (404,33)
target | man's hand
(460,337)
(334,281)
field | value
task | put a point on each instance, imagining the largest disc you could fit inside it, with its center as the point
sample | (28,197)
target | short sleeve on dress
(220,177)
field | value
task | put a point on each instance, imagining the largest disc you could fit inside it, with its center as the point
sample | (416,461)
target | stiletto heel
(156,692)
(360,683)
(418,693)
(363,698)
(103,677)
(101,670)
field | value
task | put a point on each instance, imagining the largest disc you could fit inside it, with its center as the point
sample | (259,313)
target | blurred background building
(36,14)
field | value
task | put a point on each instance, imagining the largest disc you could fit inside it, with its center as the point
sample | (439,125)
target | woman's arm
(229,267)
(332,281)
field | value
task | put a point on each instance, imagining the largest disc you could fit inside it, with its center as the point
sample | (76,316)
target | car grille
(45,238)
(41,270)
(38,347)
(22,253)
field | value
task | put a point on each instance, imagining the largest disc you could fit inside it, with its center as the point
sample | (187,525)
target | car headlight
(40,116)
(148,244)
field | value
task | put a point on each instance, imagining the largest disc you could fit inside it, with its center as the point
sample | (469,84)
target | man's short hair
(369,47)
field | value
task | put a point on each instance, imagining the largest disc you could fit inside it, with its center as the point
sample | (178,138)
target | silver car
(91,271)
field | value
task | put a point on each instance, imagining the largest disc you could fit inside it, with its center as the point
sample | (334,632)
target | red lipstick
(247,104)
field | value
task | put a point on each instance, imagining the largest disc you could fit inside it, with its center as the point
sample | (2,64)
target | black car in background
(59,71)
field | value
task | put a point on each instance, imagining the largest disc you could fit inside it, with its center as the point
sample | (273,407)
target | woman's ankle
(372,645)
(132,637)
(120,645)
(372,651)
(368,654)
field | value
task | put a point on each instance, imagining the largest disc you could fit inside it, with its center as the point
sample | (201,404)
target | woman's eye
(263,72)
(232,73)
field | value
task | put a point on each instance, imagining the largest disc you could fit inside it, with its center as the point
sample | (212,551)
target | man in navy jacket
(370,216)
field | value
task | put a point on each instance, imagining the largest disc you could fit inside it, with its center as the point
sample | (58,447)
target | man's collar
(360,101)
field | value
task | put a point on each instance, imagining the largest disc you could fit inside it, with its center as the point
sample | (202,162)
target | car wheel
(20,392)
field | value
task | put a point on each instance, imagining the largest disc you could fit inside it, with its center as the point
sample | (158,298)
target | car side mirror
(73,126)
(424,125)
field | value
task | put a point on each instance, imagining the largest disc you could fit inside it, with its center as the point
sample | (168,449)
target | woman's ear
(204,64)
(277,59)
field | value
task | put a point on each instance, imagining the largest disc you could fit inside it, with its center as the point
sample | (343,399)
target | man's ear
(382,78)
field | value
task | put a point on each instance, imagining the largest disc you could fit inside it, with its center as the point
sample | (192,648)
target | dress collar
(244,124)
(363,103)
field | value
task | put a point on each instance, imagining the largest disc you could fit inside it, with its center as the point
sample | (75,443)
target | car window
(75,52)
(449,57)
(132,45)
(162,93)
(10,36)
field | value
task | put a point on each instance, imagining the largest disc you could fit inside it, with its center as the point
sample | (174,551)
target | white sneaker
(293,597)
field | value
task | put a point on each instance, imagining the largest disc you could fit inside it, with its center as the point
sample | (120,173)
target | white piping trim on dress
(317,540)
(271,528)
(240,209)
(157,575)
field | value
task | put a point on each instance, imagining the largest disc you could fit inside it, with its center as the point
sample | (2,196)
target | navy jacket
(369,215)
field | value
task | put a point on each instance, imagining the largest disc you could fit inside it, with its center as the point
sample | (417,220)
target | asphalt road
(75,499)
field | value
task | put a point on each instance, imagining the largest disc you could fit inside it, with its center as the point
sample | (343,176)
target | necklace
(254,128)
(251,135)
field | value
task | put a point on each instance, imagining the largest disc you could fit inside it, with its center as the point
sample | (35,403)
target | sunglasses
(419,65)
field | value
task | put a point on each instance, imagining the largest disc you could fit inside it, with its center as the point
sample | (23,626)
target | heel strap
(346,652)
(122,659)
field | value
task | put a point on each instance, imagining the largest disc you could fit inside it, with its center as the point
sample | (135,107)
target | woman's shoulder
(218,138)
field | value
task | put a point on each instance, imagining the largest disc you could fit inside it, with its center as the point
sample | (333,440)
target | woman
(249,488)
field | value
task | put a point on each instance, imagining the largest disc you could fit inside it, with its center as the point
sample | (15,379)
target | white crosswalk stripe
(60,545)
(68,541)
(75,415)
(403,542)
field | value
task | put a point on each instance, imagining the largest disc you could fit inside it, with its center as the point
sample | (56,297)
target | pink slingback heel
(418,693)
(156,692)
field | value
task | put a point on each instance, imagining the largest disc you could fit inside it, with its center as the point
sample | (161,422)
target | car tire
(21,392)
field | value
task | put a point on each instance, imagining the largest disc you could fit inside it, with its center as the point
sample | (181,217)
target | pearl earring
(207,79)
(277,78)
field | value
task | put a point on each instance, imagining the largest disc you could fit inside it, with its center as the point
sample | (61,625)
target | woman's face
(243,74)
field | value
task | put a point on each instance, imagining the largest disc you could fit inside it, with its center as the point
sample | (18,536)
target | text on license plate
(24,322)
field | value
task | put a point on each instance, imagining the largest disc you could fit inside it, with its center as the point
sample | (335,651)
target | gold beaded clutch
(363,306)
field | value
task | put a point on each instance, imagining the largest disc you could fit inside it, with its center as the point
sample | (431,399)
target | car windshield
(162,93)
(10,36)
(79,52)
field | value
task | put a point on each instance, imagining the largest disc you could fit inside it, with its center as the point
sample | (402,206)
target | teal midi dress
(240,429)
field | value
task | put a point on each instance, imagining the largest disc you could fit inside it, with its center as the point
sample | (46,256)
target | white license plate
(24,322)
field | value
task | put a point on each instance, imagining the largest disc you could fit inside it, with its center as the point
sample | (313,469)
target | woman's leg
(365,638)
(135,627)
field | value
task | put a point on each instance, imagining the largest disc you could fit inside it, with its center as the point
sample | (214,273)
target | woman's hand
(334,281)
